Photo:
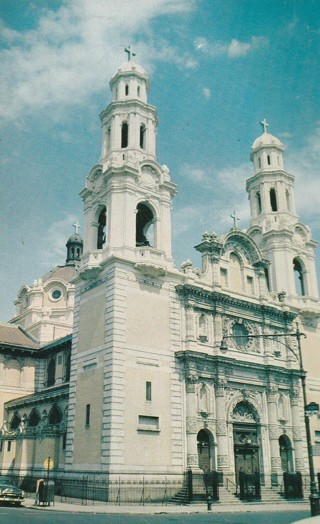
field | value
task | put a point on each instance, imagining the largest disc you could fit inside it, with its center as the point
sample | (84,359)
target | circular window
(56,294)
(240,334)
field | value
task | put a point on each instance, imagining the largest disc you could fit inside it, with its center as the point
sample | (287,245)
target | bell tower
(127,199)
(284,241)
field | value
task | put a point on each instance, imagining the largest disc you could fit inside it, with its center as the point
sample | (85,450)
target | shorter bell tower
(275,227)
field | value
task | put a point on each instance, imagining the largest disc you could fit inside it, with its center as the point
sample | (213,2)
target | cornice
(53,394)
(217,299)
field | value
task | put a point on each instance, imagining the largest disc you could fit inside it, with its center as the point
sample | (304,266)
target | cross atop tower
(129,52)
(235,219)
(76,226)
(265,125)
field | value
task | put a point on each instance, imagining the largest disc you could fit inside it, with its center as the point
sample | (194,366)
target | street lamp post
(314,496)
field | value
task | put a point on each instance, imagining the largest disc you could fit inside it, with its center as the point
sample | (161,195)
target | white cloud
(56,237)
(207,92)
(233,49)
(74,49)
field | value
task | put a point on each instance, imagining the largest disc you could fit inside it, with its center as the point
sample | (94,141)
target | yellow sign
(48,463)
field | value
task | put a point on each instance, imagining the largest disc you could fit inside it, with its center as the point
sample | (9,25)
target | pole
(314,497)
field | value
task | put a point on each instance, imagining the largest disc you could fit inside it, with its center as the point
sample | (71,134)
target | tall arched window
(298,277)
(273,199)
(269,160)
(51,372)
(143,136)
(235,273)
(259,207)
(144,225)
(124,134)
(101,238)
(67,368)
(55,416)
(34,418)
(127,89)
(15,421)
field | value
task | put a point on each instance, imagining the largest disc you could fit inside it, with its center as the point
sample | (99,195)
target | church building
(169,369)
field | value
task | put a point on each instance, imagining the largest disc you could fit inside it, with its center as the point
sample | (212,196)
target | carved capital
(192,461)
(274,432)
(297,434)
(275,463)
(221,428)
(223,461)
(191,425)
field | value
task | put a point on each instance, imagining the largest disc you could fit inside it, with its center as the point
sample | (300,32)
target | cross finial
(129,52)
(76,226)
(265,125)
(235,219)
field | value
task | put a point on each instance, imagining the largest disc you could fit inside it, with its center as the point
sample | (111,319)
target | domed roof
(130,66)
(266,139)
(75,239)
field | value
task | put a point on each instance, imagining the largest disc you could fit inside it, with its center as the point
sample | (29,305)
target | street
(9,515)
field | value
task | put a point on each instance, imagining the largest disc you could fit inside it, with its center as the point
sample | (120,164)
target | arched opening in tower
(101,237)
(144,225)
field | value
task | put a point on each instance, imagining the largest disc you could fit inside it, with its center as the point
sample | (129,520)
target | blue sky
(217,67)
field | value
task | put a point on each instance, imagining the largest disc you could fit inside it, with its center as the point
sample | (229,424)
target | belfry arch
(145,218)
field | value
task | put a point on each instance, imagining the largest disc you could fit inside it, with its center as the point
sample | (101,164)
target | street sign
(48,463)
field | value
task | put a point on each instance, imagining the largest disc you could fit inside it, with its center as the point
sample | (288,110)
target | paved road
(10,515)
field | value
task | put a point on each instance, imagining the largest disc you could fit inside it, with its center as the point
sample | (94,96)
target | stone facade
(175,369)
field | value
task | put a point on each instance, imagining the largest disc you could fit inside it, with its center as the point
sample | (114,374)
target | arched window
(286,453)
(259,161)
(143,136)
(269,160)
(127,89)
(108,138)
(34,418)
(298,277)
(288,200)
(101,238)
(55,416)
(144,225)
(138,91)
(259,207)
(266,274)
(273,199)
(203,336)
(15,421)
(51,372)
(235,273)
(203,398)
(124,134)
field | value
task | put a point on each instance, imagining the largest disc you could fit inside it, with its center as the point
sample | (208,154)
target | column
(191,425)
(222,439)
(274,430)
(298,430)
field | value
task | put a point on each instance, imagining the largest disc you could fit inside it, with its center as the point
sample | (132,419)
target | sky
(216,67)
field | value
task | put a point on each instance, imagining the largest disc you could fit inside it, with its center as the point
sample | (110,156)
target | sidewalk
(170,508)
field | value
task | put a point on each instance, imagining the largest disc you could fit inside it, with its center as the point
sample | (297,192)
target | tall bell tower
(127,199)
(284,241)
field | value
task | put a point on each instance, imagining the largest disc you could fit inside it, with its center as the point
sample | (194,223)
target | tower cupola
(74,247)
(266,151)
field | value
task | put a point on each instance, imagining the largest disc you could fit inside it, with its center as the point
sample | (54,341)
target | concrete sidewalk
(170,508)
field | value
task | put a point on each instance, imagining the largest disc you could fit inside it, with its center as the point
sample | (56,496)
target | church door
(246,449)
(203,450)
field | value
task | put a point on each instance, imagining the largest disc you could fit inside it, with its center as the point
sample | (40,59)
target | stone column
(222,438)
(298,430)
(274,431)
(191,425)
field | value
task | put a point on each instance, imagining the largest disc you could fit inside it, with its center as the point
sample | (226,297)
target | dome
(75,239)
(266,139)
(128,68)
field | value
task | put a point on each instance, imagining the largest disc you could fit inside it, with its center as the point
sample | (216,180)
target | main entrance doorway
(246,449)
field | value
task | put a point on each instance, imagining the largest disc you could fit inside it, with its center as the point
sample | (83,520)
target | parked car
(10,493)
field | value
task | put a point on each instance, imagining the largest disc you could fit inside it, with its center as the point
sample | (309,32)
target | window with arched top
(268,160)
(258,200)
(101,236)
(203,331)
(55,416)
(143,136)
(34,418)
(273,199)
(138,91)
(235,273)
(126,89)
(203,397)
(51,372)
(124,134)
(15,421)
(299,277)
(144,225)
